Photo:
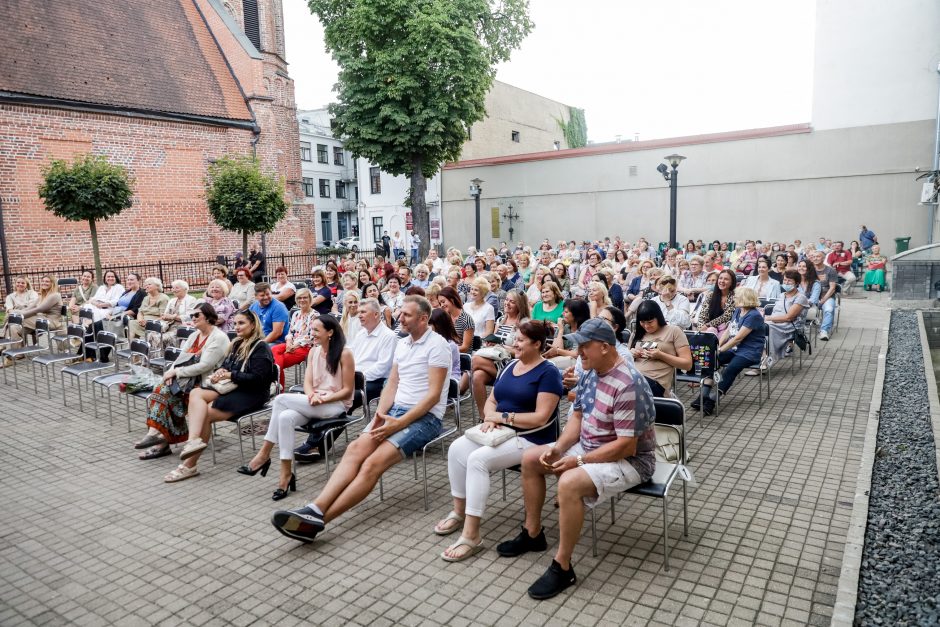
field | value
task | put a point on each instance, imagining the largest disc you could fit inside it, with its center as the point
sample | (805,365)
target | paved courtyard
(90,535)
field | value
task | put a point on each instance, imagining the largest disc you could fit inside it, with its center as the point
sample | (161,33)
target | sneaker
(523,543)
(824,336)
(300,524)
(307,453)
(751,372)
(553,582)
(192,447)
(708,408)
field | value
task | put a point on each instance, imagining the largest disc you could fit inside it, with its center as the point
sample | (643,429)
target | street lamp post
(360,210)
(673,177)
(476,191)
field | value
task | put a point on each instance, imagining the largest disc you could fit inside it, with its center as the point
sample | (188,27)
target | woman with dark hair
(575,313)
(715,314)
(809,285)
(322,301)
(331,270)
(658,348)
(128,303)
(166,407)
(524,398)
(442,324)
(365,278)
(387,270)
(282,289)
(249,364)
(450,302)
(616,318)
(780,266)
(329,384)
(371,290)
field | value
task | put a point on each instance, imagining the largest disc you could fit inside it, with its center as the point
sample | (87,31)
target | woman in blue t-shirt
(524,398)
(741,345)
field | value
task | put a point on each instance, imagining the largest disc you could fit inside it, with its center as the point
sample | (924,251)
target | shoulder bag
(495,437)
(226,386)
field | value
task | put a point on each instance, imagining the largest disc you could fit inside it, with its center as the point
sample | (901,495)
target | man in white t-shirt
(407,418)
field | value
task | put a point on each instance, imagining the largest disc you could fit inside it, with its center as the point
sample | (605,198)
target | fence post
(160,270)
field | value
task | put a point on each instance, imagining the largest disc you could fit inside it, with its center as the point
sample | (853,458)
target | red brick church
(162,87)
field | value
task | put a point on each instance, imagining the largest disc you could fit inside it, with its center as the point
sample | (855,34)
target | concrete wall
(797,184)
(511,109)
(876,62)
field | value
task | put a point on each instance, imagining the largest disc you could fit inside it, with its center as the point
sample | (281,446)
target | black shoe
(709,407)
(523,543)
(553,582)
(300,524)
(263,469)
(697,404)
(281,493)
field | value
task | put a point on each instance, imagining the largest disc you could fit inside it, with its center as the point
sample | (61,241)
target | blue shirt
(274,312)
(752,346)
(867,239)
(520,394)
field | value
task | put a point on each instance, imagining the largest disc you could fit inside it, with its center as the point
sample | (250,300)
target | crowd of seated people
(558,321)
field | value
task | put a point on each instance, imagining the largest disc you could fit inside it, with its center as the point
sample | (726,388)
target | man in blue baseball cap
(608,446)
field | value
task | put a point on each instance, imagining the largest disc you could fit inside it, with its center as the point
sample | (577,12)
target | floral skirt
(166,413)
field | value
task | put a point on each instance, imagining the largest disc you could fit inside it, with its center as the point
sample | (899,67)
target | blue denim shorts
(416,435)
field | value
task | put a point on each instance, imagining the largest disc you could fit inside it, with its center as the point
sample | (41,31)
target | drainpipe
(936,166)
(254,153)
(3,253)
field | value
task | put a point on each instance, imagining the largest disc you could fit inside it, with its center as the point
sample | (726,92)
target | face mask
(787,288)
(710,287)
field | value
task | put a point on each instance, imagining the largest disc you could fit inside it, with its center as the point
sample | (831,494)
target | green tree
(413,76)
(241,198)
(91,189)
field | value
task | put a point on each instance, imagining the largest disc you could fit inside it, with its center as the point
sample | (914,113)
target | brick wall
(168,220)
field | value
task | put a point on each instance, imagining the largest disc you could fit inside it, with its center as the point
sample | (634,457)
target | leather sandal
(149,441)
(462,541)
(155,452)
(181,473)
(445,527)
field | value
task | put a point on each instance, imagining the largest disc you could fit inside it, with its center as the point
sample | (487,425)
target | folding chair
(42,328)
(48,360)
(670,416)
(138,354)
(170,353)
(104,339)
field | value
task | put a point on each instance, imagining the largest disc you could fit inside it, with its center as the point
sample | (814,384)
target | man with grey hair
(407,418)
(373,350)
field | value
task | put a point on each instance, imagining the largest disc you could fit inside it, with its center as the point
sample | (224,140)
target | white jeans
(294,410)
(469,466)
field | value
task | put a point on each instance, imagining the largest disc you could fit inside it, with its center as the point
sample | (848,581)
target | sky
(637,67)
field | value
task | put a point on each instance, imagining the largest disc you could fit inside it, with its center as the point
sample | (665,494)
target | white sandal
(181,473)
(448,530)
(191,448)
(462,541)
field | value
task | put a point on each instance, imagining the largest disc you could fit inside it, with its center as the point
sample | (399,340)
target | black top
(258,373)
(257,256)
(136,302)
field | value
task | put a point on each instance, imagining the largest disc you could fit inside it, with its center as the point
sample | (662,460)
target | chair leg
(251,419)
(79,386)
(504,484)
(241,445)
(593,533)
(107,391)
(424,463)
(49,383)
(666,531)
(685,509)
(381,489)
(613,510)
(212,442)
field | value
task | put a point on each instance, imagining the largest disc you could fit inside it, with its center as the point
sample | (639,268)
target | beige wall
(795,186)
(510,109)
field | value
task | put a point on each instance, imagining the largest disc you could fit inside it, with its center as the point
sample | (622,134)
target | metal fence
(196,272)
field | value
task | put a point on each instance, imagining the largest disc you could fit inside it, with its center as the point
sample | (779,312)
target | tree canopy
(90,189)
(241,198)
(413,78)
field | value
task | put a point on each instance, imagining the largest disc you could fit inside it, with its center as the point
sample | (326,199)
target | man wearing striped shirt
(608,446)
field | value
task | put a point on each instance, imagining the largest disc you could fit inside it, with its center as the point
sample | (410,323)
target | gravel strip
(899,583)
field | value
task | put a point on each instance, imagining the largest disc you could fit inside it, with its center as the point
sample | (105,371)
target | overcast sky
(657,69)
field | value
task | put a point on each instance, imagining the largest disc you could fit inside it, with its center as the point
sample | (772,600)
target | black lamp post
(476,191)
(673,177)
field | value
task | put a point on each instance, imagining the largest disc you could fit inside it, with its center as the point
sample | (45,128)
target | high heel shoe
(280,493)
(263,468)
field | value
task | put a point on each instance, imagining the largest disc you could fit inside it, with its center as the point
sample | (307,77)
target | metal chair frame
(139,352)
(104,338)
(49,360)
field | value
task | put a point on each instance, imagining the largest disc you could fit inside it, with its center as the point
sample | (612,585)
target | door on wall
(342,225)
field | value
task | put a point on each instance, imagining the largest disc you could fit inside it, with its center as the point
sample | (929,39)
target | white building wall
(388,205)
(875,62)
(800,185)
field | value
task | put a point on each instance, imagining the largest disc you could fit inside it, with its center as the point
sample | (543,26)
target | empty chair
(73,331)
(42,329)
(103,339)
(138,354)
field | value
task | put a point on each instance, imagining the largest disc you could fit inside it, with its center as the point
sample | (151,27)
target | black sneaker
(709,407)
(300,524)
(696,404)
(523,543)
(553,582)
(307,453)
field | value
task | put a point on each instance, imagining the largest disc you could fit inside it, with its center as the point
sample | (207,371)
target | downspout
(3,252)
(936,166)
(254,153)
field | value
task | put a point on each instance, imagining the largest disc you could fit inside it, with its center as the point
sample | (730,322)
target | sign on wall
(408,223)
(494,222)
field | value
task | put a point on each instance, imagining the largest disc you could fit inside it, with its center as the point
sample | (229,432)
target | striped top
(619,405)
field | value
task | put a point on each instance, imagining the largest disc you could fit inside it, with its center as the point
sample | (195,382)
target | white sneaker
(751,372)
(824,336)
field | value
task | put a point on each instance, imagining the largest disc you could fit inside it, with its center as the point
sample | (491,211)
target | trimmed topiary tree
(241,198)
(90,189)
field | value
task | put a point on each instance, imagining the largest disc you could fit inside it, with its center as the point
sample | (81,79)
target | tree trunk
(245,244)
(95,251)
(419,208)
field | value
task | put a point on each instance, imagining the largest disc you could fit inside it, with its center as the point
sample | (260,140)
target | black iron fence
(196,272)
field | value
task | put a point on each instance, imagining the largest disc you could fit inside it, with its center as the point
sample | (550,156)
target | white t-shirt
(413,360)
(480,316)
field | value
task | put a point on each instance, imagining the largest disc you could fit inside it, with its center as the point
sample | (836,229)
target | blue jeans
(414,256)
(733,365)
(829,313)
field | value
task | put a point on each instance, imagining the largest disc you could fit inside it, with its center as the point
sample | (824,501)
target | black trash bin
(901,244)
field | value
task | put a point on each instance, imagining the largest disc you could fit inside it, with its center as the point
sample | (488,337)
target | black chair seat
(296,389)
(111,379)
(84,367)
(327,424)
(54,358)
(650,489)
(26,350)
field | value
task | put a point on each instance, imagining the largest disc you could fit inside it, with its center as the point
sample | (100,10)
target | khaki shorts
(610,478)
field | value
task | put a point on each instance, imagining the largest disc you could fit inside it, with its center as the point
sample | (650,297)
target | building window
(340,189)
(305,151)
(305,120)
(515,136)
(375,181)
(377,230)
(324,188)
(321,154)
(326,226)
(308,187)
(338,156)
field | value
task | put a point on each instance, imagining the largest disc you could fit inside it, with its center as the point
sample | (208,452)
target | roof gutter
(122,111)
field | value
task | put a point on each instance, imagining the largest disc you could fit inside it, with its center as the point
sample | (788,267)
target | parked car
(349,243)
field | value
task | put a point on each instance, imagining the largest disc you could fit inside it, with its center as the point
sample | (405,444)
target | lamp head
(475,188)
(662,169)
(674,160)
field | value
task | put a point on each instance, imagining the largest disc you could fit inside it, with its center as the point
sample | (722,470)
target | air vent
(252,23)
(633,170)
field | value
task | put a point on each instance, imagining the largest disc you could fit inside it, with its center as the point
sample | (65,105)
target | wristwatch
(505,417)
(580,460)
